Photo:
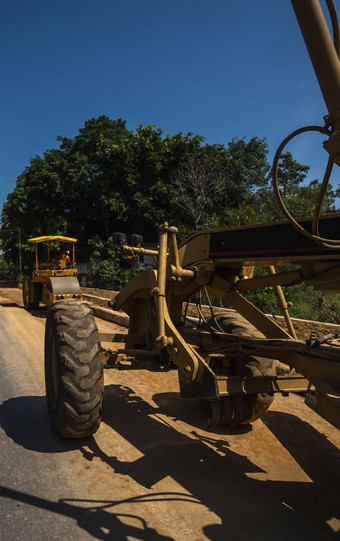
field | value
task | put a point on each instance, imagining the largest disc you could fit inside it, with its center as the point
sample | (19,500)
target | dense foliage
(108,178)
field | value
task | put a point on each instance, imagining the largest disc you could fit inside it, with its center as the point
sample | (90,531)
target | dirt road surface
(153,471)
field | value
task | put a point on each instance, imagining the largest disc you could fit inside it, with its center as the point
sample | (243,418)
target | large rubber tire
(73,369)
(241,409)
(29,303)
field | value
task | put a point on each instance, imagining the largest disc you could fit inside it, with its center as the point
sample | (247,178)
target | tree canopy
(108,178)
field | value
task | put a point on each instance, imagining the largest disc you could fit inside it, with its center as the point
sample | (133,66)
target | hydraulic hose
(315,235)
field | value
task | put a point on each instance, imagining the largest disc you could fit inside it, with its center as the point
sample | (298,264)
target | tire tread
(78,408)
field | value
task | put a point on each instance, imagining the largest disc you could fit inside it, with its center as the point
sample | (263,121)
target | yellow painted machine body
(221,263)
(229,362)
(51,280)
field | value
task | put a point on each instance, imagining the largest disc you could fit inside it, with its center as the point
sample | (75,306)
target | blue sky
(218,68)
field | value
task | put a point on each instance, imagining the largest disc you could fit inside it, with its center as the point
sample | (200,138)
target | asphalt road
(153,471)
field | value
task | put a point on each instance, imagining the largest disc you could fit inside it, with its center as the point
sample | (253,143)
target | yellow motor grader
(228,361)
(54,279)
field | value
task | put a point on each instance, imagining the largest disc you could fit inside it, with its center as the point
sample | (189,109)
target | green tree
(300,199)
(197,184)
(35,205)
(247,171)
(217,186)
(108,178)
(138,199)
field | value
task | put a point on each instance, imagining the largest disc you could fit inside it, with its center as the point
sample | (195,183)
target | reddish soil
(156,468)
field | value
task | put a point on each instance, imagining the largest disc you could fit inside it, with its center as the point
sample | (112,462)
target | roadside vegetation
(108,178)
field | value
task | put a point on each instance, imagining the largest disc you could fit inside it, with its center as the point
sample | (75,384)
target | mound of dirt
(303,328)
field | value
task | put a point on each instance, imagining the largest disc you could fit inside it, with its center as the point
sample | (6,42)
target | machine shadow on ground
(40,312)
(8,285)
(25,421)
(188,411)
(309,447)
(95,517)
(247,508)
(218,479)
(10,305)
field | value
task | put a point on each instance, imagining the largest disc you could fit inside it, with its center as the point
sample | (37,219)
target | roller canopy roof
(53,237)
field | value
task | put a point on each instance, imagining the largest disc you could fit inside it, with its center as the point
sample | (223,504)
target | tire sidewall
(75,410)
(246,409)
(26,292)
(50,337)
